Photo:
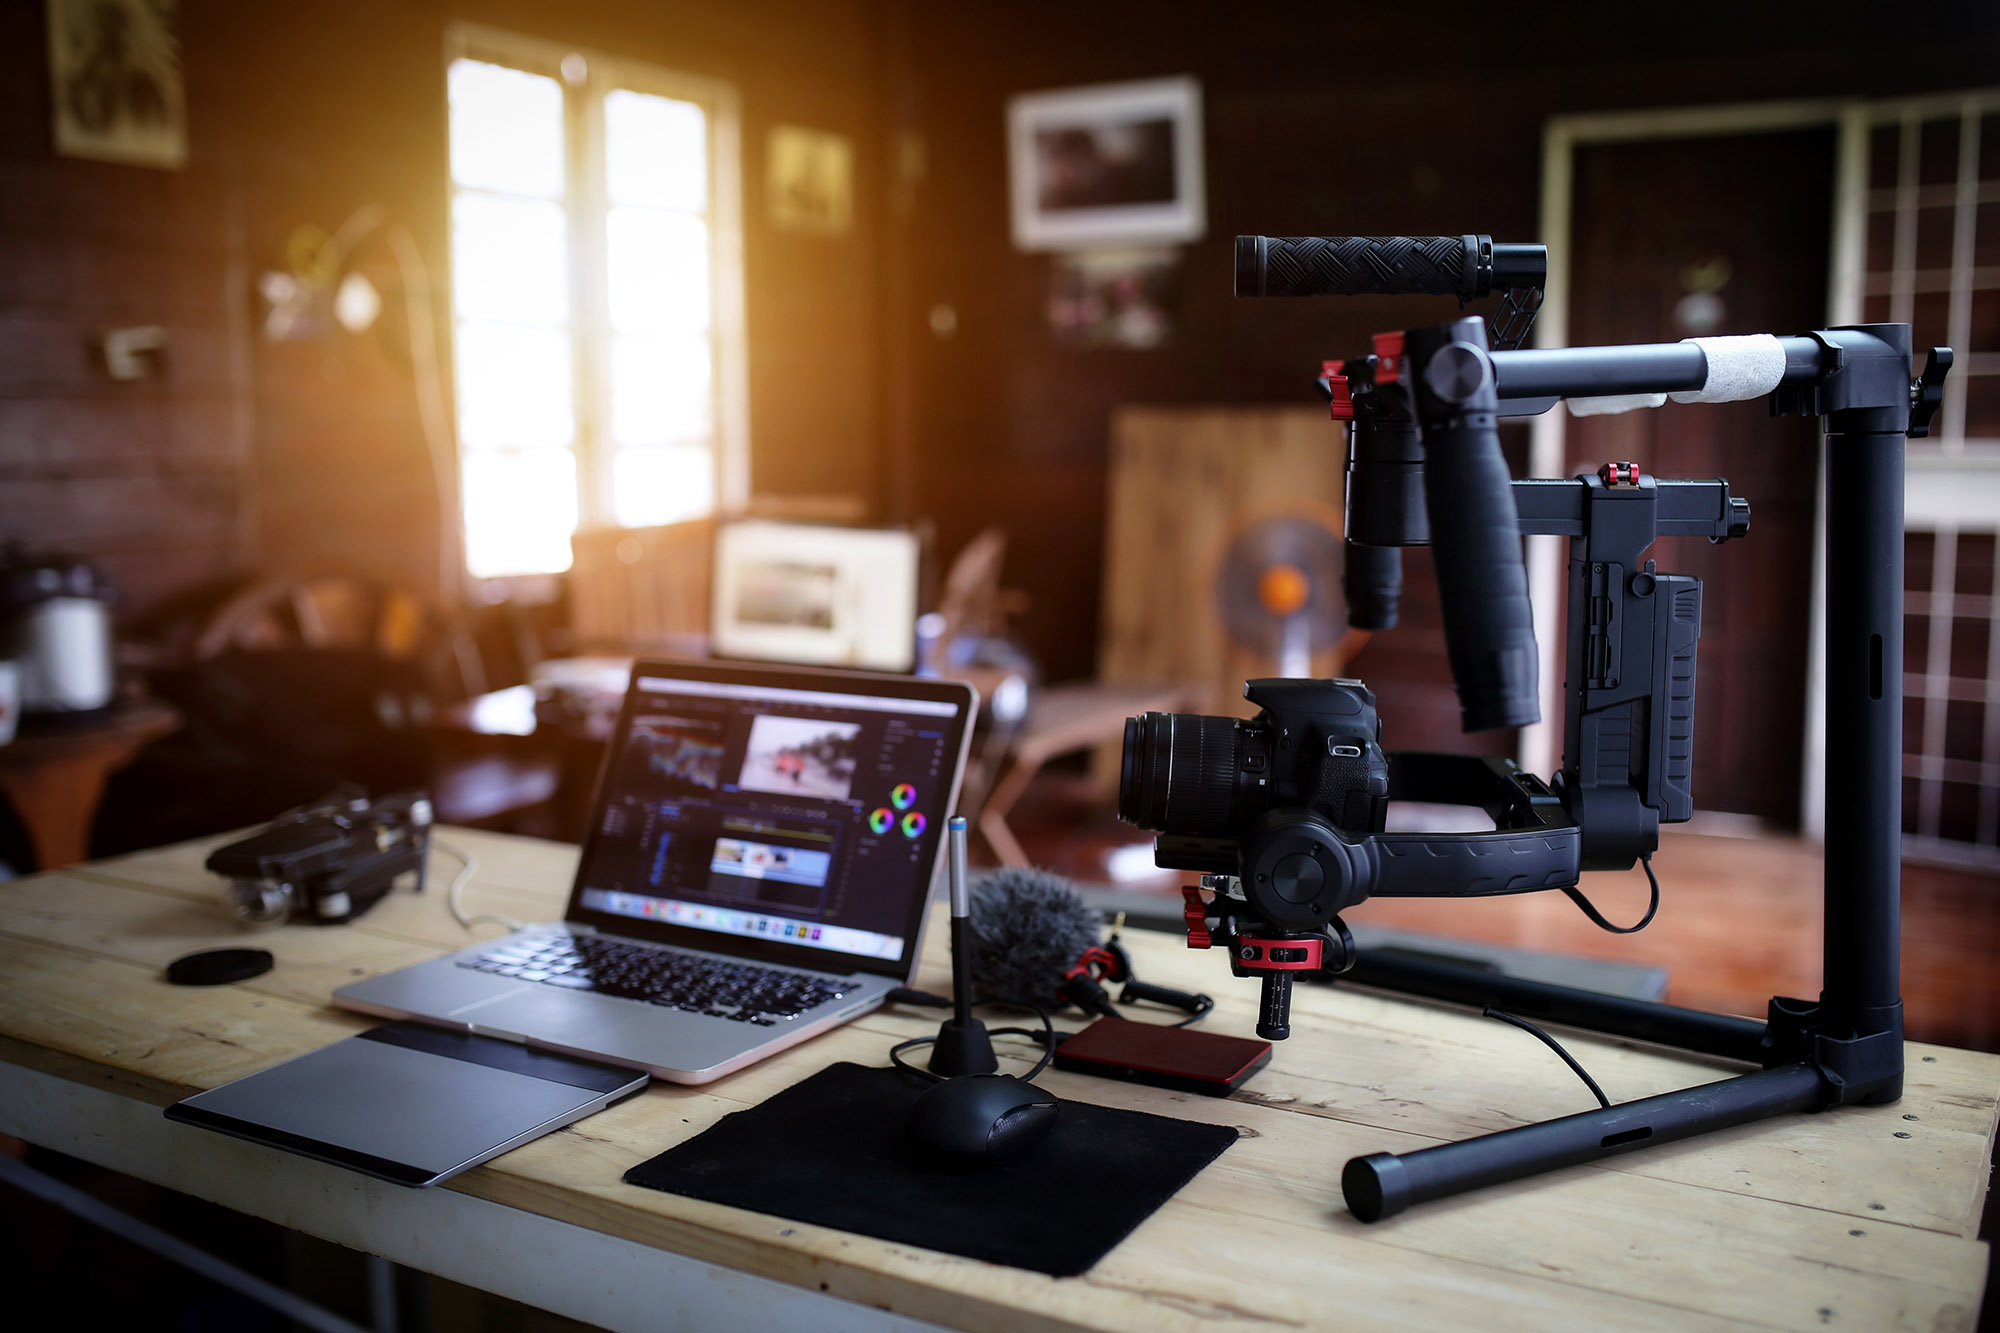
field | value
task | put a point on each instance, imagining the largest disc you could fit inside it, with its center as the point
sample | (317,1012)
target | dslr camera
(1277,812)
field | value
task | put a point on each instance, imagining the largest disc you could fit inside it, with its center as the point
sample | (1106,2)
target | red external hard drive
(1167,1057)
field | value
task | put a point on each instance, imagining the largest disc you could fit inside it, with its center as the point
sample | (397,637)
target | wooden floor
(1739,918)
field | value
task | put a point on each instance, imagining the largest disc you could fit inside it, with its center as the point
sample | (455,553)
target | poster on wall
(1114,298)
(115,80)
(809,180)
(1113,164)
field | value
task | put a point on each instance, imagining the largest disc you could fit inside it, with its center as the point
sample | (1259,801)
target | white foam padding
(1612,404)
(1742,366)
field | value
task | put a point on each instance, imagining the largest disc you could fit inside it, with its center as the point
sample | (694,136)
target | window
(596,297)
(1927,253)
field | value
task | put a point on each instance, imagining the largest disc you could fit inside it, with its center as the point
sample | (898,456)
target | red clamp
(1196,915)
(1098,963)
(1339,400)
(1615,474)
(1389,356)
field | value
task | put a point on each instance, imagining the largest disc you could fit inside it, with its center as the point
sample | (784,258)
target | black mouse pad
(830,1151)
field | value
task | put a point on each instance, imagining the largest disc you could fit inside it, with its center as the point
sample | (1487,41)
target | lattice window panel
(1931,250)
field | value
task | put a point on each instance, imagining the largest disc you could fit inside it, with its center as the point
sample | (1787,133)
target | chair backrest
(971,602)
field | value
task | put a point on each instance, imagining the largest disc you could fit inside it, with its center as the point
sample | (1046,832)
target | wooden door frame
(1541,744)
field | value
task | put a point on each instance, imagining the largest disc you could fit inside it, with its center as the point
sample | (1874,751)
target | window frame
(586,209)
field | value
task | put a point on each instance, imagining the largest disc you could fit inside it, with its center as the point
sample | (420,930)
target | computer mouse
(981,1118)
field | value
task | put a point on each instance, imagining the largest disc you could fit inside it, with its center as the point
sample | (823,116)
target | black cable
(1556,1046)
(1046,1038)
(1576,896)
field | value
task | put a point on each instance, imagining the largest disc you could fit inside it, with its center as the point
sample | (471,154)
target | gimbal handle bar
(1463,266)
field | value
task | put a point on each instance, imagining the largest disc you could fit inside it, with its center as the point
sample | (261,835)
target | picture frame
(1107,165)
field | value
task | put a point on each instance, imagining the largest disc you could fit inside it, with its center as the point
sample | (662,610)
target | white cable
(454,894)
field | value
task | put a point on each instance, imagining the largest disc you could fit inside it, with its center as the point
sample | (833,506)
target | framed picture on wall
(115,81)
(1112,164)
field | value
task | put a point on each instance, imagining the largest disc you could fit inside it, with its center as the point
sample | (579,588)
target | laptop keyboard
(719,987)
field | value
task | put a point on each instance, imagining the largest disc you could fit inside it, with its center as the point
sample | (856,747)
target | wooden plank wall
(147,478)
(1183,483)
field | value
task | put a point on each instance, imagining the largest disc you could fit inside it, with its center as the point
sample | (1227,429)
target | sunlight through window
(584,304)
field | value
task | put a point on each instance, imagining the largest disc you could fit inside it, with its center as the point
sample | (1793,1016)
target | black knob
(1927,392)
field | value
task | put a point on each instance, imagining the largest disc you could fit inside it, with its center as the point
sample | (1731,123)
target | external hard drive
(1167,1057)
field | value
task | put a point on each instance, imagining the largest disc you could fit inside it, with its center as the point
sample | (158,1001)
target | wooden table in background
(1862,1218)
(54,772)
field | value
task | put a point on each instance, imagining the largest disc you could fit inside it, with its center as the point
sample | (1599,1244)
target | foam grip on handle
(1354,265)
(1475,528)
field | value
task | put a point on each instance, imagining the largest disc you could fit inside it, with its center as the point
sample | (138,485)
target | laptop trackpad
(564,1017)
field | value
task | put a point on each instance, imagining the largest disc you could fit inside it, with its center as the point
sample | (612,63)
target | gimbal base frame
(1846,1048)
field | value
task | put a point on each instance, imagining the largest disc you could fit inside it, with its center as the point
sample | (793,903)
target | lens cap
(218,967)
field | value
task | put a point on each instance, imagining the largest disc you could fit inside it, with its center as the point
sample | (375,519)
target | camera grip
(1371,580)
(1357,265)
(1274,1007)
(1475,528)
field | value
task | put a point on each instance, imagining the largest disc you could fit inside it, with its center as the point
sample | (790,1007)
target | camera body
(1278,811)
(1314,745)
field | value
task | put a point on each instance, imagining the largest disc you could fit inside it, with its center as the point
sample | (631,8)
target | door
(1717,235)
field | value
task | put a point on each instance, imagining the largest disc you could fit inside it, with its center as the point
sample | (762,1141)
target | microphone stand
(962,1046)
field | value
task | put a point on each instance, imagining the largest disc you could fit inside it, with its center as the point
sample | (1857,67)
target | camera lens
(1180,773)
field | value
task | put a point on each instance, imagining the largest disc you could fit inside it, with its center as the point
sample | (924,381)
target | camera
(1277,813)
(1314,743)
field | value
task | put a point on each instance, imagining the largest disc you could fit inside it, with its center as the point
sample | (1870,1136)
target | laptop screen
(778,813)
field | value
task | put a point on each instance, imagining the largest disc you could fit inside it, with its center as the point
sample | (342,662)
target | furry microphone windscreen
(1029,927)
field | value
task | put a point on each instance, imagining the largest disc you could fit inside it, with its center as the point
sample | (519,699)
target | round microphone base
(962,1048)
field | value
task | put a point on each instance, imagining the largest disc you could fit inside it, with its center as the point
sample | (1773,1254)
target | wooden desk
(1813,1222)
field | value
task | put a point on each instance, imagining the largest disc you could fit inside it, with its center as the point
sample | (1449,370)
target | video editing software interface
(792,815)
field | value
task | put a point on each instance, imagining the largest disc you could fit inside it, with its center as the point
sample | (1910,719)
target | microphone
(1037,944)
(1031,933)
(962,1046)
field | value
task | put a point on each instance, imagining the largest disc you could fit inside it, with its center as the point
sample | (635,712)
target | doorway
(1681,238)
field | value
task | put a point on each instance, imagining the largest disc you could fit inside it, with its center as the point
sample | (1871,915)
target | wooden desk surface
(1816,1221)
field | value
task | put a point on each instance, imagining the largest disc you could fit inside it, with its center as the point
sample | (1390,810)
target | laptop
(759,857)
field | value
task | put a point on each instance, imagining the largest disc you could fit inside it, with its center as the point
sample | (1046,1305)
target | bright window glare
(509,260)
(659,272)
(662,485)
(506,130)
(543,172)
(662,390)
(520,509)
(513,387)
(655,151)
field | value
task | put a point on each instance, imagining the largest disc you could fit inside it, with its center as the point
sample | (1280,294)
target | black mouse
(981,1118)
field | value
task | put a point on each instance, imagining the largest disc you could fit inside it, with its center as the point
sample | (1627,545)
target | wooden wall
(149,478)
(1320,119)
(247,454)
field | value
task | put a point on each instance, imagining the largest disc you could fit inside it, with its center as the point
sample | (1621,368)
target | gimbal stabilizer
(1629,688)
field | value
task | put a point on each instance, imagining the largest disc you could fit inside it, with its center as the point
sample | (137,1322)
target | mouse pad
(830,1151)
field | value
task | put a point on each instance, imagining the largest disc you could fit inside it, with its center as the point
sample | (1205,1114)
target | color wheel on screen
(914,824)
(902,796)
(881,821)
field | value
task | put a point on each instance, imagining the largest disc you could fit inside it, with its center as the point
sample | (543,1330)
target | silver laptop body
(763,838)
